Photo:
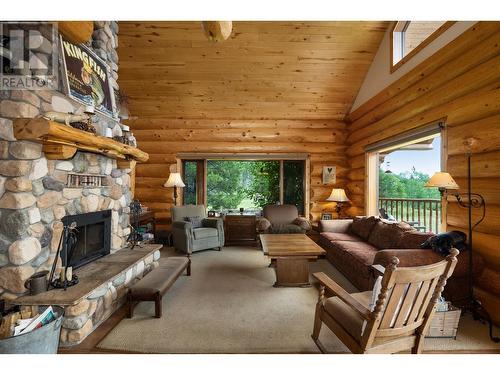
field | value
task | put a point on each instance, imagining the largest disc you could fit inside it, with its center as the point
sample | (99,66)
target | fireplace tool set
(67,244)
(134,238)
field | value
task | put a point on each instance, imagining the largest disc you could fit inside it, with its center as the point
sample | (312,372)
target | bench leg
(158,306)
(188,268)
(130,306)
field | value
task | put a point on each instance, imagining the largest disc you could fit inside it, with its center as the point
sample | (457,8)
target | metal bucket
(44,340)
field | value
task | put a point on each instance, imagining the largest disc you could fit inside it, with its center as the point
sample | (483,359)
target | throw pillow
(196,221)
(362,226)
(385,235)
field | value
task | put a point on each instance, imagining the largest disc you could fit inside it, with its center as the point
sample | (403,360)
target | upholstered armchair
(282,219)
(193,231)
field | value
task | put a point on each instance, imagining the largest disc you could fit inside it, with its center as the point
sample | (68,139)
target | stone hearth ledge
(101,291)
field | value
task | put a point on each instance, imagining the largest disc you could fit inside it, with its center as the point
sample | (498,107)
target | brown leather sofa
(353,245)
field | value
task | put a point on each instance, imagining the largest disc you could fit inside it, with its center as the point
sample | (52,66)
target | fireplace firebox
(93,237)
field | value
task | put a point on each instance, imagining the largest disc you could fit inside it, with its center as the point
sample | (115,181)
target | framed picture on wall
(86,78)
(329,175)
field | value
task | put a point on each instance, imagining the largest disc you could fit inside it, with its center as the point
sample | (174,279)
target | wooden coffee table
(292,254)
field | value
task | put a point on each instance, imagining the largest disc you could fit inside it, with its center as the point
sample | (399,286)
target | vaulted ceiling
(266,70)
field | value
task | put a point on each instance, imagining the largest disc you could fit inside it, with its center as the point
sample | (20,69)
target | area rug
(228,305)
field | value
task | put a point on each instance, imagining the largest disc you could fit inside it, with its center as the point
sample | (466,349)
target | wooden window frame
(202,160)
(439,31)
(201,176)
(372,163)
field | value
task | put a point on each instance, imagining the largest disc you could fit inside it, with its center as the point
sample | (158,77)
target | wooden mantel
(61,141)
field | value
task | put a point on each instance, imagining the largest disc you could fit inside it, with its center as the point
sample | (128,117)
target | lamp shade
(174,180)
(338,195)
(442,180)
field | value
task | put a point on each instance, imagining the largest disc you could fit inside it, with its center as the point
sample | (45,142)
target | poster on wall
(86,78)
(329,175)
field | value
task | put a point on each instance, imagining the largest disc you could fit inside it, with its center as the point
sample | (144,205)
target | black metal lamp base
(479,313)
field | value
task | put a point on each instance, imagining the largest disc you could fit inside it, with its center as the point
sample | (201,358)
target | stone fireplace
(36,199)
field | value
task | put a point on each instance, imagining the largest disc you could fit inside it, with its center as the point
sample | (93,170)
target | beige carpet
(228,305)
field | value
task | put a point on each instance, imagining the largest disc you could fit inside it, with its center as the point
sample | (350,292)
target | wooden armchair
(401,314)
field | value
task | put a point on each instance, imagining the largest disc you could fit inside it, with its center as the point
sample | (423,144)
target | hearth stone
(6,130)
(38,169)
(18,185)
(15,224)
(52,184)
(18,201)
(101,291)
(37,187)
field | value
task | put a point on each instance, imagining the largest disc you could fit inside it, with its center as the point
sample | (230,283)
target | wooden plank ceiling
(266,70)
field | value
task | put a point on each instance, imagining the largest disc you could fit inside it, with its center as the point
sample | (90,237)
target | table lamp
(175,181)
(338,196)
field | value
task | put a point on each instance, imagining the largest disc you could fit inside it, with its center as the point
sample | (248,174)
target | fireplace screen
(93,237)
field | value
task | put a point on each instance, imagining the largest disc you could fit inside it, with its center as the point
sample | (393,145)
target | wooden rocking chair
(401,315)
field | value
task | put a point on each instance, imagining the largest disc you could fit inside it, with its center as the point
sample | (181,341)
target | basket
(445,323)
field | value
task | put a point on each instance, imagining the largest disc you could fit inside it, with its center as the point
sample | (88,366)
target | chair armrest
(335,226)
(263,224)
(182,225)
(342,294)
(182,235)
(303,223)
(378,270)
(212,223)
(218,224)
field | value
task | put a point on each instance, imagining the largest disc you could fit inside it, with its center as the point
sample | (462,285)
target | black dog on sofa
(443,242)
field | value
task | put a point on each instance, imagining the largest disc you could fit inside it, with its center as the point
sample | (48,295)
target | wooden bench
(155,284)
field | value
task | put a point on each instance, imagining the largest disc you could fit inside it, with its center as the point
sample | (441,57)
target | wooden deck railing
(425,214)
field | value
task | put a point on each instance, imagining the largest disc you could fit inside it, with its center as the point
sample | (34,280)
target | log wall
(460,84)
(163,139)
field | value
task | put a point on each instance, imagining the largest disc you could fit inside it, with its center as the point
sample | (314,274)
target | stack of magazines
(27,325)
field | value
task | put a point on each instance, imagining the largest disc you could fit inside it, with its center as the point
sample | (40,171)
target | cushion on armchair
(263,224)
(285,229)
(200,233)
(196,221)
(303,223)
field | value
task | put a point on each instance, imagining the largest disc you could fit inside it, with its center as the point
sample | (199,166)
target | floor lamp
(443,181)
(175,181)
